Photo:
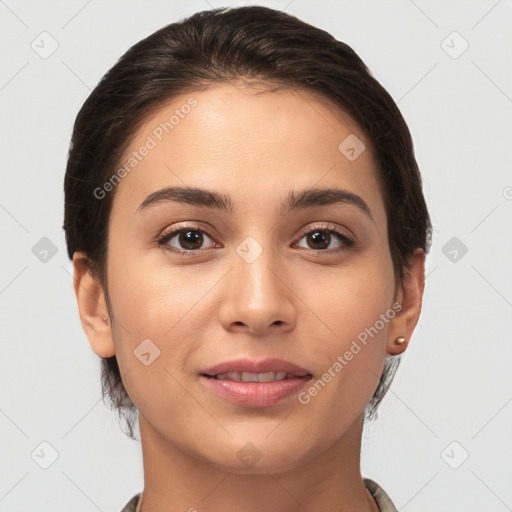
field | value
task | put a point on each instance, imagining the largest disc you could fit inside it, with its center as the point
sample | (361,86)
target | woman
(245,217)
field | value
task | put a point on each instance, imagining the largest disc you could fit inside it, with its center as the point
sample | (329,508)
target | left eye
(323,237)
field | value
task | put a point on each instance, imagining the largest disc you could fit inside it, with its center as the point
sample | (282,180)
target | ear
(410,296)
(92,307)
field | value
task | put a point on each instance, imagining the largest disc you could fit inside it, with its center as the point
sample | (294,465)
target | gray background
(451,398)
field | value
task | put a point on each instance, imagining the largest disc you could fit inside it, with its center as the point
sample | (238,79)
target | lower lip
(255,394)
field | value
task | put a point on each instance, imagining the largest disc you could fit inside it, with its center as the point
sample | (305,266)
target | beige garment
(383,500)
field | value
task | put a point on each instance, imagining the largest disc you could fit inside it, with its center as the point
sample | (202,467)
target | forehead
(240,140)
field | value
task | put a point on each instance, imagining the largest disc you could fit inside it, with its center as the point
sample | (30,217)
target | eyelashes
(191,235)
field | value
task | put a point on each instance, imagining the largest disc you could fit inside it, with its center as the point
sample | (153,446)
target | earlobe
(92,308)
(411,298)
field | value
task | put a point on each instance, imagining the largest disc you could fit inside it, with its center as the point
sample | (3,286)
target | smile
(254,377)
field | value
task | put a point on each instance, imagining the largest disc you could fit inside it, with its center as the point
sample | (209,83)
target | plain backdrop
(443,437)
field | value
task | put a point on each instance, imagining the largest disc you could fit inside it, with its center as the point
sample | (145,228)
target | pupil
(320,236)
(189,238)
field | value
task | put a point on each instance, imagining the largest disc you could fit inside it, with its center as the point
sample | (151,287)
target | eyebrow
(294,200)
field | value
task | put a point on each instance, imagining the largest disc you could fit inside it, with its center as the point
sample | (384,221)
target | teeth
(254,377)
(271,376)
(247,377)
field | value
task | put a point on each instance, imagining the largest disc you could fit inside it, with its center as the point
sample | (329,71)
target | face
(267,268)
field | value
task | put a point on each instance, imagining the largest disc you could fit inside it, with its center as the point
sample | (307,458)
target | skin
(294,302)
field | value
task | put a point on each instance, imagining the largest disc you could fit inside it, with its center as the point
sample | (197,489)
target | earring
(400,341)
(105,319)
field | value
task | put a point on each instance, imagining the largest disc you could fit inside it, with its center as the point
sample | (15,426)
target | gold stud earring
(400,341)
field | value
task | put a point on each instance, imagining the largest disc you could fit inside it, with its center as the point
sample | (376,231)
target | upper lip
(256,366)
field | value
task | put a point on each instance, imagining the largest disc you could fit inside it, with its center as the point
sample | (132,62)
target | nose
(258,298)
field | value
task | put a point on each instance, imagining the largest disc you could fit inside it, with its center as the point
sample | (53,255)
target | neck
(175,480)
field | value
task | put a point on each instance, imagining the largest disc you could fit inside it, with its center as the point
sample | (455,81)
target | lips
(252,383)
(249,370)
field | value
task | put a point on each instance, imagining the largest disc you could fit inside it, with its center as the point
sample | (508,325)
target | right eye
(187,239)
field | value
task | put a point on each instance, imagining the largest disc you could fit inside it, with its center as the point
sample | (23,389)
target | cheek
(150,306)
(160,303)
(148,296)
(352,299)
(355,310)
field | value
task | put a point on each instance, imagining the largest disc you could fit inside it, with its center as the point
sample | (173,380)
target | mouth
(253,383)
(257,377)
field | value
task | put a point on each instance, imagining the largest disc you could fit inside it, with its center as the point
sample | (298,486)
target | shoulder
(131,506)
(380,496)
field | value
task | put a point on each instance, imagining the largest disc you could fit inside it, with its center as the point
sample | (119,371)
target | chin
(261,459)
